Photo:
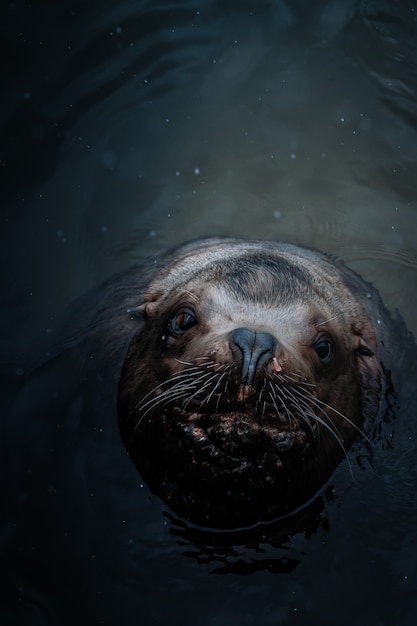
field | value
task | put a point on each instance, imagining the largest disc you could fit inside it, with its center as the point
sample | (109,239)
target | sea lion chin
(256,367)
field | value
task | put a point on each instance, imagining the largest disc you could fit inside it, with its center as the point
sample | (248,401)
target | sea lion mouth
(236,439)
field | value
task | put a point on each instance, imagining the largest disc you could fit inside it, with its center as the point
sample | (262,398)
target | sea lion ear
(369,373)
(364,349)
(136,312)
(363,339)
(143,311)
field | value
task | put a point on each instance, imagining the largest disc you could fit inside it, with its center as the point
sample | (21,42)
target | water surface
(131,126)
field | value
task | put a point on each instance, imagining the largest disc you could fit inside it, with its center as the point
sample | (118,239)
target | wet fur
(189,384)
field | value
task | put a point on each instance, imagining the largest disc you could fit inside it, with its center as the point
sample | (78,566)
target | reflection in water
(265,547)
(130,126)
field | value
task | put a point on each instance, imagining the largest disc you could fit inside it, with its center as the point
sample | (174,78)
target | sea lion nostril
(255,348)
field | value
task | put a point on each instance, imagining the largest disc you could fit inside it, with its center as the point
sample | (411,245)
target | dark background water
(130,126)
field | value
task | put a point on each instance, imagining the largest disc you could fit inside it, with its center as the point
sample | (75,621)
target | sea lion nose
(257,349)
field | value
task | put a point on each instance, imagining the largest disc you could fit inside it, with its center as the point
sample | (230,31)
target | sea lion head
(254,370)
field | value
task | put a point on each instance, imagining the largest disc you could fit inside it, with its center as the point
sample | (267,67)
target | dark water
(130,126)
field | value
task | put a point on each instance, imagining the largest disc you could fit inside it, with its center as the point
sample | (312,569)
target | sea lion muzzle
(256,350)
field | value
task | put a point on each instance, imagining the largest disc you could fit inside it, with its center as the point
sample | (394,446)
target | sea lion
(255,367)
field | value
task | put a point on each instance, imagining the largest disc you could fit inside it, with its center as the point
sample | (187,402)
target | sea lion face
(245,387)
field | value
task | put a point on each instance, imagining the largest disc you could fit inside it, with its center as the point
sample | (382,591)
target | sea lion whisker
(286,396)
(195,369)
(184,381)
(193,398)
(194,377)
(303,399)
(294,373)
(330,319)
(305,382)
(164,398)
(205,362)
(176,377)
(285,377)
(226,387)
(288,377)
(152,391)
(329,426)
(260,398)
(216,387)
(179,389)
(191,295)
(227,373)
(212,376)
(143,416)
(199,391)
(320,403)
(207,359)
(273,395)
(166,386)
(218,366)
(173,393)
(183,362)
(299,374)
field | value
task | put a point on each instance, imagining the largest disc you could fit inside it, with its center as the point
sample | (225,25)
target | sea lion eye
(182,321)
(324,349)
